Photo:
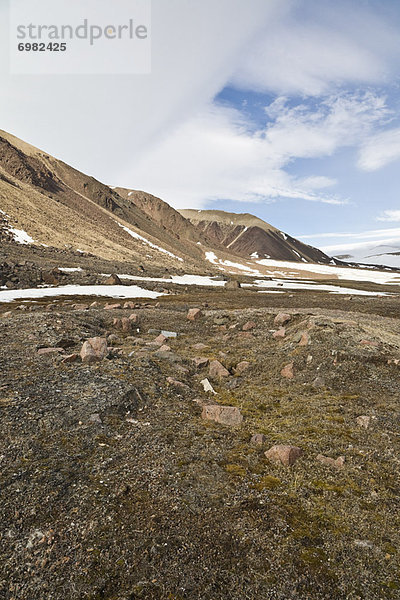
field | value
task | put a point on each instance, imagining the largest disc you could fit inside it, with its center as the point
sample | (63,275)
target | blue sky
(288,109)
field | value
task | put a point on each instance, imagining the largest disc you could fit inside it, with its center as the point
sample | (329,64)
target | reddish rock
(126,325)
(94,305)
(280,333)
(242,367)
(249,326)
(217,370)
(199,346)
(225,415)
(177,383)
(161,339)
(113,280)
(130,305)
(200,361)
(194,314)
(305,339)
(258,439)
(94,350)
(44,351)
(80,306)
(164,348)
(282,318)
(70,358)
(287,371)
(337,463)
(111,306)
(283,454)
(134,318)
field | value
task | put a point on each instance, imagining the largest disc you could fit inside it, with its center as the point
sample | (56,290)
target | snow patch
(136,236)
(20,236)
(109,291)
(340,272)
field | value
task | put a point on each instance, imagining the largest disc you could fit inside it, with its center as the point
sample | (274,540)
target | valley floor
(114,487)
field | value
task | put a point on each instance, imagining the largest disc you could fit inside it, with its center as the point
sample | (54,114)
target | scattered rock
(113,280)
(194,314)
(258,439)
(207,386)
(70,358)
(164,348)
(225,415)
(363,421)
(242,367)
(282,318)
(369,343)
(337,463)
(43,351)
(304,339)
(130,305)
(217,370)
(111,306)
(161,339)
(249,326)
(94,350)
(200,362)
(177,383)
(287,371)
(280,333)
(133,317)
(283,454)
(199,347)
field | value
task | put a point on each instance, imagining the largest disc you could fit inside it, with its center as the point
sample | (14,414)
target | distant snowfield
(346,273)
(331,289)
(362,274)
(109,291)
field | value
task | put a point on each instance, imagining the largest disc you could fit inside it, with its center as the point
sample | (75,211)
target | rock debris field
(187,448)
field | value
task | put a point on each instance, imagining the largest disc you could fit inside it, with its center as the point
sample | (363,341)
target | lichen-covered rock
(225,415)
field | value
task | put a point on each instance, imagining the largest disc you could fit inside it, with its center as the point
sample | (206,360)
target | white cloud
(101,123)
(390,215)
(219,155)
(314,50)
(380,150)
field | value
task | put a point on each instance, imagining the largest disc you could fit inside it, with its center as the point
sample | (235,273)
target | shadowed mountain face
(58,206)
(249,236)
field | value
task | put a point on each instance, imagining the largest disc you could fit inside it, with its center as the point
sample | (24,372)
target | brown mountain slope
(58,206)
(247,235)
(39,192)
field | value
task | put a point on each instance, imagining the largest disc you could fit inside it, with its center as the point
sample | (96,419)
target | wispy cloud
(312,52)
(219,155)
(380,150)
(390,215)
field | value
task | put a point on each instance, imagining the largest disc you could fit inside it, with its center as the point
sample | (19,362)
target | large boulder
(94,350)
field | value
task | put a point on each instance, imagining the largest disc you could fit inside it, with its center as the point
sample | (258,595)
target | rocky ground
(122,478)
